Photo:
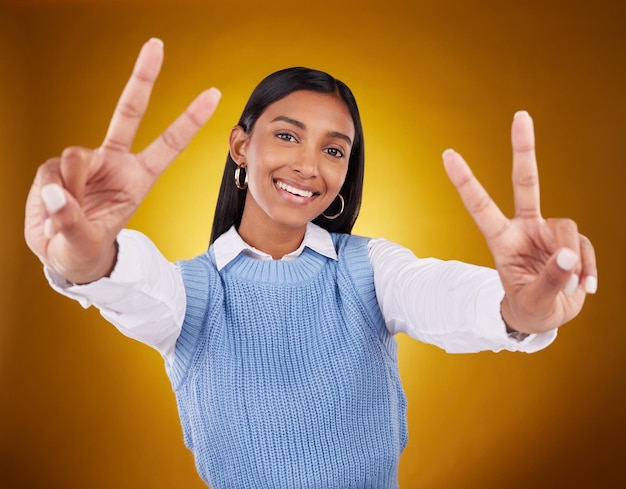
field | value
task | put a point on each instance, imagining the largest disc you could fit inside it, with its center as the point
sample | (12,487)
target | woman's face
(296,158)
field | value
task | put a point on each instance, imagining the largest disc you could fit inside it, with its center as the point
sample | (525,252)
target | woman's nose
(306,163)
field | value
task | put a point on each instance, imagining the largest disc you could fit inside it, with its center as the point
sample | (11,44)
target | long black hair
(231,200)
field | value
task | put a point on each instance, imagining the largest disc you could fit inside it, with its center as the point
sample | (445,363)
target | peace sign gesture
(545,265)
(81,200)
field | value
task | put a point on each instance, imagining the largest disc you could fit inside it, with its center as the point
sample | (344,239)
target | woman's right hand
(80,201)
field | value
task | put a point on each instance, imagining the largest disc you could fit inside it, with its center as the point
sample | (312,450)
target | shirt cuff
(488,307)
(106,290)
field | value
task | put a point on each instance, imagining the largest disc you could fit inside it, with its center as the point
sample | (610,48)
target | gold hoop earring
(238,184)
(335,216)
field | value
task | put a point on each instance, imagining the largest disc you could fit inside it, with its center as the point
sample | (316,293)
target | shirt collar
(228,246)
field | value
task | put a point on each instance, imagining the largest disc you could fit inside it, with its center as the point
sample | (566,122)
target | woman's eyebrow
(340,135)
(301,125)
(290,121)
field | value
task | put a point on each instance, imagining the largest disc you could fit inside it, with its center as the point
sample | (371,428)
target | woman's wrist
(103,267)
(511,331)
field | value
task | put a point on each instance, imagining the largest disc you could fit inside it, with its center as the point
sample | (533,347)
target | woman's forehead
(309,107)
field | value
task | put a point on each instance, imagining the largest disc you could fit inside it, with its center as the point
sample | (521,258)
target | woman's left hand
(545,265)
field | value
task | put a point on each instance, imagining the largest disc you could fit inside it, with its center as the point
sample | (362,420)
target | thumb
(558,276)
(63,212)
(561,267)
(75,250)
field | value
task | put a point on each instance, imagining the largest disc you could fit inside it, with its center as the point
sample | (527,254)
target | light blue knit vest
(285,375)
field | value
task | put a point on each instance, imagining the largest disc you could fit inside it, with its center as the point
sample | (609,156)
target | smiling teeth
(293,190)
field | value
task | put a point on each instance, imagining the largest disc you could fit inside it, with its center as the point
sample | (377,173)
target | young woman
(279,340)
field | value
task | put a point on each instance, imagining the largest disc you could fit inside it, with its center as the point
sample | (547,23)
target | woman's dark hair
(231,200)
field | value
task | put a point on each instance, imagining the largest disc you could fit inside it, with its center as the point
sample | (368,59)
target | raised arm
(79,202)
(545,265)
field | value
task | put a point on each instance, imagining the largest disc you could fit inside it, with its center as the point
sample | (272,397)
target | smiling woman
(279,341)
(296,164)
(83,406)
(302,84)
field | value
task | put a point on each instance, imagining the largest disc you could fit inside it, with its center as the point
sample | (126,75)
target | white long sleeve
(144,297)
(450,304)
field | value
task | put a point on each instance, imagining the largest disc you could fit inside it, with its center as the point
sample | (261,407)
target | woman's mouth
(294,190)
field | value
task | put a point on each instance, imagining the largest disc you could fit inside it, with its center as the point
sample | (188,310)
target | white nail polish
(53,197)
(572,285)
(48,228)
(566,259)
(216,91)
(591,284)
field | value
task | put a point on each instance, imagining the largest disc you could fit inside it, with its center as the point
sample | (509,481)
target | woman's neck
(270,237)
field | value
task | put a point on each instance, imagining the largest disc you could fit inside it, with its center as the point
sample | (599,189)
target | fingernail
(572,285)
(48,228)
(216,91)
(520,112)
(447,152)
(566,259)
(156,40)
(53,197)
(591,284)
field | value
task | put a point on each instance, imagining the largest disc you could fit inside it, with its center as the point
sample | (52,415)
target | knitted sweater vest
(285,374)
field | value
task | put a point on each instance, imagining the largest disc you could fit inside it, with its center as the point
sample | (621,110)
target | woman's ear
(238,145)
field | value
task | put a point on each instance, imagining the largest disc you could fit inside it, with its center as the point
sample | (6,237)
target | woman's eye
(285,137)
(337,153)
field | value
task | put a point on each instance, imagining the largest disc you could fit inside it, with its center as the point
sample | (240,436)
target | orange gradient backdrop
(82,406)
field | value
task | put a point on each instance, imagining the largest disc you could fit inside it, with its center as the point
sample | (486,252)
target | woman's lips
(304,193)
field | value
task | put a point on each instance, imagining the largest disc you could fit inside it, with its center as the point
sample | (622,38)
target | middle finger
(134,99)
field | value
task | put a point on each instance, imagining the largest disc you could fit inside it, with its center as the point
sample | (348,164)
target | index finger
(525,173)
(133,102)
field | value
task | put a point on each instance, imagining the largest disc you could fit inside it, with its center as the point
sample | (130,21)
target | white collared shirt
(450,304)
(230,244)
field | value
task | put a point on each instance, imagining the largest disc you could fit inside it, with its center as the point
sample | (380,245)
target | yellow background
(83,407)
